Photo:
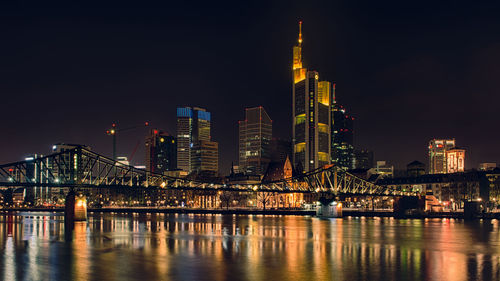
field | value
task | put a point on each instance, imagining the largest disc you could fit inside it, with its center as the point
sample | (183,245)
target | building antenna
(300,32)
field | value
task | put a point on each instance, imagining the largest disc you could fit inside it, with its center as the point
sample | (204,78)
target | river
(246,247)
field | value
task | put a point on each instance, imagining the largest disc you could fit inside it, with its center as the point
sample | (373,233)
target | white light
(29,158)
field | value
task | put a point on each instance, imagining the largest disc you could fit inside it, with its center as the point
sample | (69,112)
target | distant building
(255,134)
(342,152)
(280,150)
(437,155)
(363,159)
(455,160)
(35,173)
(205,158)
(382,169)
(415,169)
(68,170)
(311,115)
(487,166)
(452,189)
(278,171)
(123,160)
(193,135)
(161,152)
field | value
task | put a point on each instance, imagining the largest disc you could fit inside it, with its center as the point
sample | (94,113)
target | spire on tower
(300,32)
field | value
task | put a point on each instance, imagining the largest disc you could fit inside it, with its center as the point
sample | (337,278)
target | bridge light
(56,180)
(255,188)
(317,189)
(11,179)
(163,184)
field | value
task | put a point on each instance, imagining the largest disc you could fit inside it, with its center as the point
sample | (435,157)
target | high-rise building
(205,158)
(437,155)
(161,152)
(280,150)
(311,115)
(455,160)
(193,138)
(342,152)
(363,159)
(255,133)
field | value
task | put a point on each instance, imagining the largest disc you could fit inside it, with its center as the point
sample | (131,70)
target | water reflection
(230,247)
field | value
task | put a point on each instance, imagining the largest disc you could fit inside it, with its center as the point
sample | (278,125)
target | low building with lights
(454,188)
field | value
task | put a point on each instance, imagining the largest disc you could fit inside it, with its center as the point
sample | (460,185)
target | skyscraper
(205,158)
(311,115)
(437,155)
(342,137)
(161,152)
(195,150)
(255,134)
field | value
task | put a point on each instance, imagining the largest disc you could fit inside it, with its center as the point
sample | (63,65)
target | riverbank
(346,213)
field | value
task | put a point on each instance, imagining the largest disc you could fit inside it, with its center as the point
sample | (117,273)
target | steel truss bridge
(80,168)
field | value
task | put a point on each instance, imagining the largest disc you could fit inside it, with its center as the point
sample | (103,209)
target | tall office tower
(280,150)
(363,159)
(161,152)
(184,137)
(311,115)
(193,137)
(455,160)
(205,158)
(255,134)
(342,137)
(437,155)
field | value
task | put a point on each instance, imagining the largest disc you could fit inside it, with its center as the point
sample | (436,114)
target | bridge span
(80,168)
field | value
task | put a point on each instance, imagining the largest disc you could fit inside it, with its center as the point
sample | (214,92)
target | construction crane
(114,131)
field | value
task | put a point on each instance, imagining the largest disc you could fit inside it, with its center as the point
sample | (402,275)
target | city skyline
(386,130)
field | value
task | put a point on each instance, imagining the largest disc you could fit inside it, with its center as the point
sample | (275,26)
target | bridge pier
(328,208)
(75,207)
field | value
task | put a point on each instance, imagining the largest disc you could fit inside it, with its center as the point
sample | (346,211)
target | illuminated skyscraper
(311,115)
(437,155)
(161,152)
(255,134)
(193,136)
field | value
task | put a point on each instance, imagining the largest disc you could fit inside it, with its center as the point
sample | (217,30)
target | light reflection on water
(230,247)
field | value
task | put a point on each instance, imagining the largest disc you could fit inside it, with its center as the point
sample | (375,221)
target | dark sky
(407,70)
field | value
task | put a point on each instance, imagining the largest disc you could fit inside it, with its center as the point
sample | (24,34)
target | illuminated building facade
(255,134)
(311,115)
(455,160)
(193,126)
(342,152)
(437,155)
(161,152)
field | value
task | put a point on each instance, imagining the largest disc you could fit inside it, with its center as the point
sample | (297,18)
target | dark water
(219,247)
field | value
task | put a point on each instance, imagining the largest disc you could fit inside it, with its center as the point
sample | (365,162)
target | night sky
(406,72)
